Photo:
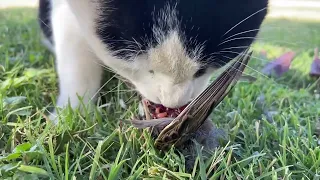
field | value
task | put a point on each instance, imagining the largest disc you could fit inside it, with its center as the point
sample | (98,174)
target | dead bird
(193,121)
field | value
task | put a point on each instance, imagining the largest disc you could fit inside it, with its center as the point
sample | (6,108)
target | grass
(273,124)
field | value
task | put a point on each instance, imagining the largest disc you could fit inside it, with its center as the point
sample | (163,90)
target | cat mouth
(158,111)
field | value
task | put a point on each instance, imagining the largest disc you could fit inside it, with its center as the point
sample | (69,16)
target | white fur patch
(170,58)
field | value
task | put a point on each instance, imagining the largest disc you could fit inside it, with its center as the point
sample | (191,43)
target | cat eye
(199,73)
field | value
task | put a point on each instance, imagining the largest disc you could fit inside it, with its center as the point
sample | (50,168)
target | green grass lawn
(273,124)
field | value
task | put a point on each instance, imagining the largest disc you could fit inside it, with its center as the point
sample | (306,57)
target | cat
(168,49)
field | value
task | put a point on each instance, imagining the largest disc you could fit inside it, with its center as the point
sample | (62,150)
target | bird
(188,122)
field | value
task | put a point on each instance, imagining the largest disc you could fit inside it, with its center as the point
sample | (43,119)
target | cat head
(168,49)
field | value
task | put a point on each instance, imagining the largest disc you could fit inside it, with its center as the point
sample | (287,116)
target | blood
(159,111)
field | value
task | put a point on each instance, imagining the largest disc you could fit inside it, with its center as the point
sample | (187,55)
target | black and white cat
(167,49)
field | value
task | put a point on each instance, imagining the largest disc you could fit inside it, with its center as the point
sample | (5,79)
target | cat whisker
(250,68)
(237,59)
(221,65)
(101,88)
(133,95)
(122,91)
(44,23)
(100,64)
(112,90)
(239,54)
(104,67)
(263,60)
(126,50)
(255,70)
(257,12)
(255,38)
(240,33)
(212,61)
(264,29)
(235,47)
(137,43)
(224,74)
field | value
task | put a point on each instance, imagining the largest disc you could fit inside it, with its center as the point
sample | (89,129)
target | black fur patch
(125,23)
(44,13)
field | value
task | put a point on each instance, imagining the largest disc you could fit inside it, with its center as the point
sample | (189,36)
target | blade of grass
(95,164)
(66,161)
